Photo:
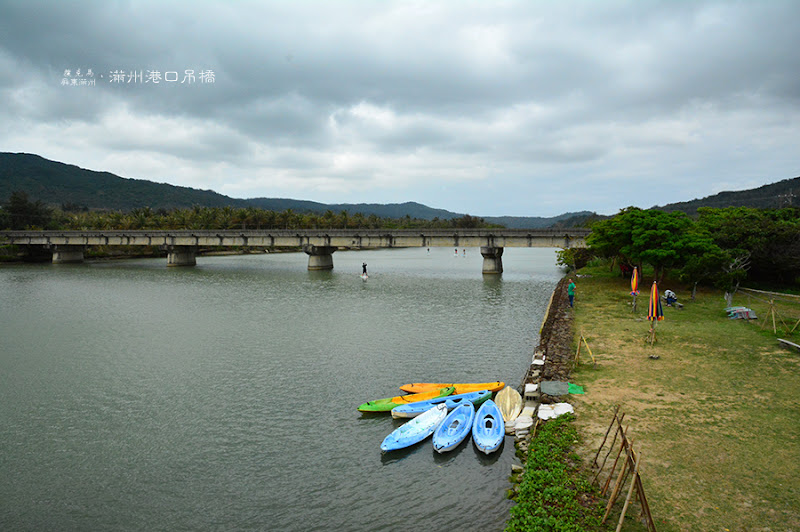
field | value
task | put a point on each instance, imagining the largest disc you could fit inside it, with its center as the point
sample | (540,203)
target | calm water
(223,397)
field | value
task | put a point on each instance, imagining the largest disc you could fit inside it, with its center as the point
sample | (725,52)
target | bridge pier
(65,254)
(181,256)
(492,259)
(319,257)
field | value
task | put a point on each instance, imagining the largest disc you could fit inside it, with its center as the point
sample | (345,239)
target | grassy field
(716,416)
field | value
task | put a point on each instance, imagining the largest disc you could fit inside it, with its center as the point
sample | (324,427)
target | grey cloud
(581,90)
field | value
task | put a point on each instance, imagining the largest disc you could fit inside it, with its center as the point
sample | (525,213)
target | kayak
(509,401)
(464,387)
(455,428)
(416,429)
(488,430)
(451,401)
(385,405)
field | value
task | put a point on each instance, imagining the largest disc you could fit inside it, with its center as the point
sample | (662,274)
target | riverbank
(711,405)
(552,491)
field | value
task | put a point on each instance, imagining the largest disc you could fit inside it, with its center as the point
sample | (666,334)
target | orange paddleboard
(465,387)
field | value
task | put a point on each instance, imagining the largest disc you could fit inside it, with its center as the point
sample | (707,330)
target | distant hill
(537,222)
(60,184)
(57,184)
(389,210)
(784,193)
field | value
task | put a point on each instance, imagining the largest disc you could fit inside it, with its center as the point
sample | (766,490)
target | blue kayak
(454,428)
(415,430)
(489,429)
(451,401)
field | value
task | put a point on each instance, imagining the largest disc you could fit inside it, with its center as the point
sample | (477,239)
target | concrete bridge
(319,244)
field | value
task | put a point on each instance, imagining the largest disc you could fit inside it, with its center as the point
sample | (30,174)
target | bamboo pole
(594,362)
(610,449)
(630,492)
(622,445)
(772,309)
(613,419)
(617,487)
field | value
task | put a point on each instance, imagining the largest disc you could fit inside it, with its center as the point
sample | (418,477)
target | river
(223,397)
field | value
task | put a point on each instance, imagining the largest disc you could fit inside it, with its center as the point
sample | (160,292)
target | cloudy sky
(530,108)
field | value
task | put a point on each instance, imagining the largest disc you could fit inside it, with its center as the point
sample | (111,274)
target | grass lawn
(716,416)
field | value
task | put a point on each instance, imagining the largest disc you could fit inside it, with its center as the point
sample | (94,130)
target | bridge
(319,244)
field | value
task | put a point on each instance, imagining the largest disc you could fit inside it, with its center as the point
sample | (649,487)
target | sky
(492,108)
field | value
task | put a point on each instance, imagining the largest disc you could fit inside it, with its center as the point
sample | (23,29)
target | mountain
(537,222)
(390,210)
(784,193)
(58,184)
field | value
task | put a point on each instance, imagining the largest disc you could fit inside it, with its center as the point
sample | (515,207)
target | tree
(771,238)
(663,240)
(21,213)
(573,258)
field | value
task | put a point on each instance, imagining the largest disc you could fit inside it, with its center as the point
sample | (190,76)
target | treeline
(719,246)
(19,212)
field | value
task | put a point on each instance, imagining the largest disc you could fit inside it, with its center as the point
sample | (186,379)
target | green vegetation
(715,416)
(553,494)
(20,213)
(721,246)
(772,196)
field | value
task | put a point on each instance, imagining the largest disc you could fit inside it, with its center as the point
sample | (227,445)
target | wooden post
(617,487)
(772,311)
(606,436)
(614,467)
(630,492)
(610,449)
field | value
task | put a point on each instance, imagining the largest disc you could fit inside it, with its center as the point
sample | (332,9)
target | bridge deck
(352,238)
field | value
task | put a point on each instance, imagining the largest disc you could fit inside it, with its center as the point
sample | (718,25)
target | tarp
(560,388)
(574,388)
(554,387)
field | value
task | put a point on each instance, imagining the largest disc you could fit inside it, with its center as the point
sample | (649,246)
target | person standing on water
(363,268)
(571,292)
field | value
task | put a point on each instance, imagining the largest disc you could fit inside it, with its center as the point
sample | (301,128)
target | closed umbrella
(654,311)
(634,286)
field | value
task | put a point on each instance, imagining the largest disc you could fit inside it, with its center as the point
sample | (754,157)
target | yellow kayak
(386,405)
(464,387)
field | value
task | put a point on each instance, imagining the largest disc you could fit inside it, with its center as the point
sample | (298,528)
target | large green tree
(663,240)
(19,212)
(769,238)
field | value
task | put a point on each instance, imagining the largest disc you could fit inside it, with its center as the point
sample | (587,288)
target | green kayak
(386,405)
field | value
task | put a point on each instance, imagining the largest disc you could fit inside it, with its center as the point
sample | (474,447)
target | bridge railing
(301,237)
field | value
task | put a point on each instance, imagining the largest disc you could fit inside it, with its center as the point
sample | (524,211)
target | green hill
(60,184)
(784,193)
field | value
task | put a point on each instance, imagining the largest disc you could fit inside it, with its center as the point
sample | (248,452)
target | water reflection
(493,289)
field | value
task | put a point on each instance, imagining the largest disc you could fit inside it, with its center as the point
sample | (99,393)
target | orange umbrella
(634,286)
(654,311)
